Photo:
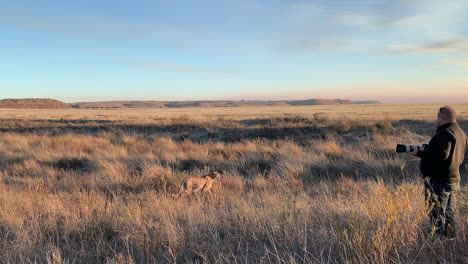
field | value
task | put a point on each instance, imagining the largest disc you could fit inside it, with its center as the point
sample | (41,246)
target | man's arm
(439,148)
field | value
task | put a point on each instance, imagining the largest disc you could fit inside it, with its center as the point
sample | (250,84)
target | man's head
(446,115)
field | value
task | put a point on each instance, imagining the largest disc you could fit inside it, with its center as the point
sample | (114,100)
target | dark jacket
(446,152)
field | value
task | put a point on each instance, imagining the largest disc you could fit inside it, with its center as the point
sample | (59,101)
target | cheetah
(194,184)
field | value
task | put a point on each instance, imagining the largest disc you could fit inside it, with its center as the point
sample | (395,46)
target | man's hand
(414,153)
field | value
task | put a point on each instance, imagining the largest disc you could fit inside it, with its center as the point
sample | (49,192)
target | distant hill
(368,102)
(33,103)
(314,102)
(180,104)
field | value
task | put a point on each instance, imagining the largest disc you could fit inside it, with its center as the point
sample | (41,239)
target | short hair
(448,113)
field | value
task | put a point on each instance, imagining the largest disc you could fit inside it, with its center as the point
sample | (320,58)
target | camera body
(410,148)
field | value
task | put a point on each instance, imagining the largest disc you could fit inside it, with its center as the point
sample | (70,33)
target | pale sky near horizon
(398,51)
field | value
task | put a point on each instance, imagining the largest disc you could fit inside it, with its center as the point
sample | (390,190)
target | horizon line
(239,100)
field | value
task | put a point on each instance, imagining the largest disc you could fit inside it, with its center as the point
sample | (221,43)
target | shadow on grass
(424,127)
(297,129)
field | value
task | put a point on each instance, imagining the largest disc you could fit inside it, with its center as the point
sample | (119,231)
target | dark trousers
(440,201)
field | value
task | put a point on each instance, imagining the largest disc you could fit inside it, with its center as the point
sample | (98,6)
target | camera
(410,148)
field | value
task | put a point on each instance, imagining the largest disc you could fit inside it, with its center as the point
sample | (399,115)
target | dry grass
(373,112)
(298,188)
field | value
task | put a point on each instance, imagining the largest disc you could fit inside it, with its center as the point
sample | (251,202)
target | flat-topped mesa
(214,103)
(33,103)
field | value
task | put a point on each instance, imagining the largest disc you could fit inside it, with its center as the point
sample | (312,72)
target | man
(440,164)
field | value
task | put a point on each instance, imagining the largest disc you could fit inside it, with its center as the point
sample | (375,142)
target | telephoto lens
(409,148)
(400,148)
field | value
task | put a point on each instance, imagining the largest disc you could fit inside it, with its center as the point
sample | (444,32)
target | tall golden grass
(296,189)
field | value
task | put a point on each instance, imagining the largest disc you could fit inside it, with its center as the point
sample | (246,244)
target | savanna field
(305,184)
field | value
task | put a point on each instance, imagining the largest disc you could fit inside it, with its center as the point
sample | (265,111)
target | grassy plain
(368,112)
(306,184)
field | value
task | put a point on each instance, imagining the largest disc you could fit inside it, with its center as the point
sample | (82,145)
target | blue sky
(393,51)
